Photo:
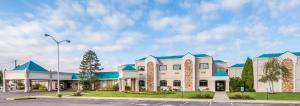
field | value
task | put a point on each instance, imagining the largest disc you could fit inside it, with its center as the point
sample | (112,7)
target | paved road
(97,102)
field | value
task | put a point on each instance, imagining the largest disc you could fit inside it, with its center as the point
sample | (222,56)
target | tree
(247,75)
(235,84)
(273,69)
(88,68)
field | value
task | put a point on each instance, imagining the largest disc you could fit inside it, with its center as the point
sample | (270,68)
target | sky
(121,31)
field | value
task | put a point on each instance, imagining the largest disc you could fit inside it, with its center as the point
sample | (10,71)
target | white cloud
(124,42)
(278,7)
(96,8)
(117,21)
(232,5)
(24,40)
(179,24)
(289,30)
(217,33)
(177,39)
(259,34)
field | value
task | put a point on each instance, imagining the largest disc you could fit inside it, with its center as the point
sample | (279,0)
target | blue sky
(120,31)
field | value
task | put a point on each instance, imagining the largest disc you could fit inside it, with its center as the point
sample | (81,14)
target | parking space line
(231,104)
(292,105)
(260,104)
(209,103)
(183,103)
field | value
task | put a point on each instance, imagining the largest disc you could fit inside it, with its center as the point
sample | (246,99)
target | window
(141,83)
(176,67)
(162,67)
(141,68)
(176,83)
(203,83)
(203,66)
(163,83)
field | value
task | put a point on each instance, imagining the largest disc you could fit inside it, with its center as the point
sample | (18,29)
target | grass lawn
(263,95)
(141,94)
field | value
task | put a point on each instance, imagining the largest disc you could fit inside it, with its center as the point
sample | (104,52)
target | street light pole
(57,43)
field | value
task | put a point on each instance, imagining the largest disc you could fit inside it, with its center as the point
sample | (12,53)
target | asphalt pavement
(114,102)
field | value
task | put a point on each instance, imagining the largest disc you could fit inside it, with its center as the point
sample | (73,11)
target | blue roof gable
(238,65)
(219,61)
(100,75)
(269,55)
(30,66)
(220,73)
(129,67)
(176,56)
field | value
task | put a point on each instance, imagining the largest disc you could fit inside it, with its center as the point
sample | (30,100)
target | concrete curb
(129,98)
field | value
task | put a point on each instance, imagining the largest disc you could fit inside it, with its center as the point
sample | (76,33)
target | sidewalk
(221,97)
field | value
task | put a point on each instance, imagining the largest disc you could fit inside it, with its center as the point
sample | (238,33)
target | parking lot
(107,102)
(97,102)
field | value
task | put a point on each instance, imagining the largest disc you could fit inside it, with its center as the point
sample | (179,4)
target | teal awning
(100,75)
(220,73)
(30,66)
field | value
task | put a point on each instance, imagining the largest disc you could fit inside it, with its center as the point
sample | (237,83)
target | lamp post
(57,43)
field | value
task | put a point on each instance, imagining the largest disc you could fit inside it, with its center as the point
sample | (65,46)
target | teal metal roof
(129,67)
(276,54)
(175,56)
(219,61)
(220,73)
(30,66)
(100,75)
(238,65)
(107,75)
(75,76)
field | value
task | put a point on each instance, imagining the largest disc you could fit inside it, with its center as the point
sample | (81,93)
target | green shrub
(238,96)
(115,87)
(204,95)
(235,84)
(42,88)
(77,94)
(20,85)
(59,95)
(35,86)
(142,89)
(127,88)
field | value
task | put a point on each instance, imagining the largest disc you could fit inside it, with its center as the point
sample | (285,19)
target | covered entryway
(220,85)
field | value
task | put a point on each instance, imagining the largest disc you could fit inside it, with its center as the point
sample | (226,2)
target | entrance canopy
(31,70)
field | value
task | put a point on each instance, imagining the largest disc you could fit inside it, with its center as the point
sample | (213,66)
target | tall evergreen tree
(88,68)
(247,75)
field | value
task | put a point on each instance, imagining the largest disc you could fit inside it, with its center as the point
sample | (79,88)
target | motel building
(291,60)
(31,73)
(189,72)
